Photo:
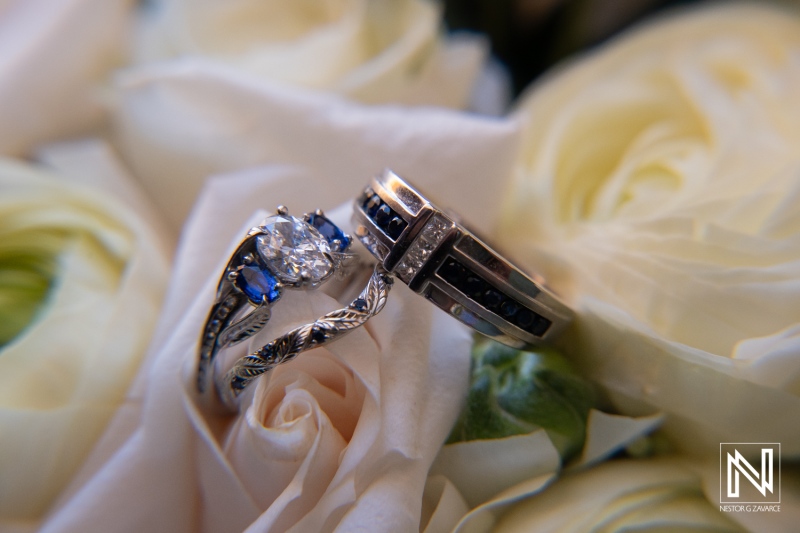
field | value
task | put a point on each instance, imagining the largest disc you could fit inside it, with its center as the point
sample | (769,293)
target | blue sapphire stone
(372,204)
(330,231)
(257,282)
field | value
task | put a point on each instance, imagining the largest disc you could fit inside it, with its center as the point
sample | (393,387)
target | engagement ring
(286,347)
(283,252)
(437,257)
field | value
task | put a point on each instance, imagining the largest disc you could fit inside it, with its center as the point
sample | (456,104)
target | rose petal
(617,494)
(374,52)
(442,506)
(181,123)
(483,468)
(606,434)
(33,34)
(298,435)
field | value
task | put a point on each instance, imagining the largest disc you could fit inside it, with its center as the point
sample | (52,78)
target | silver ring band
(437,257)
(283,252)
(322,331)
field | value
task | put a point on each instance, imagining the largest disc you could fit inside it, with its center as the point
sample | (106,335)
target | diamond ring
(437,257)
(323,330)
(283,252)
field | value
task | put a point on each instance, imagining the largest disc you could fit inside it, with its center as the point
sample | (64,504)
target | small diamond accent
(435,229)
(417,255)
(421,249)
(425,246)
(405,271)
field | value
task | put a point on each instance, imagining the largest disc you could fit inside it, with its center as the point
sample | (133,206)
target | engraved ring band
(283,252)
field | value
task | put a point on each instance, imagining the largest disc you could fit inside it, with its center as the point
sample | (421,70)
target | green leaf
(514,392)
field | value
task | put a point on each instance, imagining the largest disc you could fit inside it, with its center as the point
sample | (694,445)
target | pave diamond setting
(295,251)
(423,246)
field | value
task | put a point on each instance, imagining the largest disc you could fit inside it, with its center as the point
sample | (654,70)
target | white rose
(179,124)
(473,483)
(387,52)
(374,51)
(657,185)
(670,493)
(343,436)
(621,495)
(97,275)
(53,56)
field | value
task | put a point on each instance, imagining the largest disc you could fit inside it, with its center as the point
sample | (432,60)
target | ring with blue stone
(283,252)
(433,253)
(325,329)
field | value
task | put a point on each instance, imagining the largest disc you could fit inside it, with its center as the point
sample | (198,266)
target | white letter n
(761,482)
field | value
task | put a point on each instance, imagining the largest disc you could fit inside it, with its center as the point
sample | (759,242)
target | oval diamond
(292,247)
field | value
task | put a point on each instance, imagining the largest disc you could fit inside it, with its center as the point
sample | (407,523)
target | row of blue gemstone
(491,298)
(384,216)
(258,282)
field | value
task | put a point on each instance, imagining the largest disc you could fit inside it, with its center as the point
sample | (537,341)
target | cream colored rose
(667,493)
(472,484)
(331,440)
(179,124)
(65,373)
(374,51)
(53,58)
(658,186)
(378,52)
(621,495)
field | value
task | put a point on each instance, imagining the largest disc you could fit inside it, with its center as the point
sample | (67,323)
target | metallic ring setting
(440,259)
(325,329)
(283,252)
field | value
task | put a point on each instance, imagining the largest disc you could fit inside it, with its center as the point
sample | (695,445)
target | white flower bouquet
(652,181)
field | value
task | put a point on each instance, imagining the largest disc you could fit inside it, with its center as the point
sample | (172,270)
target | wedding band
(283,252)
(286,347)
(438,258)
